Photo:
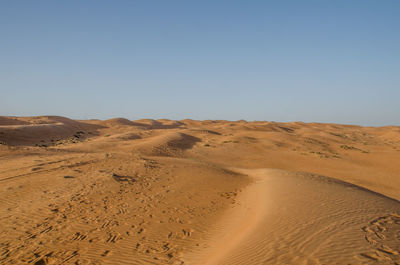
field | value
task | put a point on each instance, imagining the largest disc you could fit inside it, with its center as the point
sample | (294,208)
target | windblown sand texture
(197,192)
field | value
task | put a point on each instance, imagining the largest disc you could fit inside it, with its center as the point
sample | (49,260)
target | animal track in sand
(113,237)
(383,234)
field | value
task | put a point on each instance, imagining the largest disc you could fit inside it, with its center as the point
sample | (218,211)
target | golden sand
(197,192)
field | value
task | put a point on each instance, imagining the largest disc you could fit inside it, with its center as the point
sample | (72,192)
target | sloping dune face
(43,131)
(298,218)
(169,144)
(197,192)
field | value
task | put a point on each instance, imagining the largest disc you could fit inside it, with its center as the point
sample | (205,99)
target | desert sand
(197,192)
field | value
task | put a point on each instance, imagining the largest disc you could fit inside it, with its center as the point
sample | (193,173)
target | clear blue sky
(325,61)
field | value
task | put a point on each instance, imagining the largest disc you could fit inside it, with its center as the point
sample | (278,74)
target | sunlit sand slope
(298,218)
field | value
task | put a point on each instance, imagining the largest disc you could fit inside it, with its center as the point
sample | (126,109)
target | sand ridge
(298,218)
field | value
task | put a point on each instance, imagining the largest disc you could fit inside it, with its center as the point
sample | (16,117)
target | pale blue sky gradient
(324,61)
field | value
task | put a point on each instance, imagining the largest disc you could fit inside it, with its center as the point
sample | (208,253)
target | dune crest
(297,218)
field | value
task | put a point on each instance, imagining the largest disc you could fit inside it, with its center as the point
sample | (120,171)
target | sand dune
(119,122)
(43,131)
(197,192)
(168,144)
(298,218)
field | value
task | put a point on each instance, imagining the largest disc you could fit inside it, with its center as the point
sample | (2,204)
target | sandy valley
(197,192)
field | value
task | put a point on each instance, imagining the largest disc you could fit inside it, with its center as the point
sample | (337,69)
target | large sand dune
(298,218)
(197,192)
